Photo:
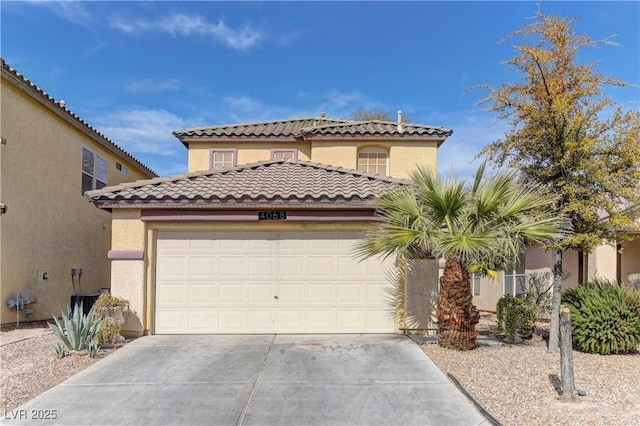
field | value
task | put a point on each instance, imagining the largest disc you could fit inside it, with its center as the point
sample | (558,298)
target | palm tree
(478,227)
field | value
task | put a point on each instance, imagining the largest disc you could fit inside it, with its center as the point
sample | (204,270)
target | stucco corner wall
(127,281)
(127,267)
(127,230)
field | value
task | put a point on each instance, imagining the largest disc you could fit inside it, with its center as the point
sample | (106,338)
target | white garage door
(269,282)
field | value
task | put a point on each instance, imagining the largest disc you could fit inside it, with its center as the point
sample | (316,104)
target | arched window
(373,160)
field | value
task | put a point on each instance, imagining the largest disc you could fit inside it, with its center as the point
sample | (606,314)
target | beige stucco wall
(248,152)
(49,225)
(630,259)
(406,156)
(403,156)
(602,262)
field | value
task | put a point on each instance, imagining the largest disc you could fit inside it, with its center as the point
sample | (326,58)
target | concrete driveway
(257,380)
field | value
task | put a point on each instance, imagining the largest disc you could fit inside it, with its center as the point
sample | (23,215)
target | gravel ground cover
(29,366)
(518,384)
(515,383)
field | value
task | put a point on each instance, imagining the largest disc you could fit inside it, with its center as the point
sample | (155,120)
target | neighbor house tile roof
(59,107)
(277,183)
(310,128)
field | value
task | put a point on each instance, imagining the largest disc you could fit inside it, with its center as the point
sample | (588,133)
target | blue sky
(137,71)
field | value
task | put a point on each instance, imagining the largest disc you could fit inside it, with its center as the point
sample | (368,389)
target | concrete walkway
(257,380)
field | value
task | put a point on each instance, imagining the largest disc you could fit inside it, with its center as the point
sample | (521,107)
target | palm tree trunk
(457,316)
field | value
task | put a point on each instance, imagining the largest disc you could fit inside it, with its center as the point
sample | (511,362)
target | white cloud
(240,38)
(143,131)
(150,85)
(72,11)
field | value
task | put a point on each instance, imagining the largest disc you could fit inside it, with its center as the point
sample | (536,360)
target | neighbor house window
(514,279)
(475,284)
(94,171)
(373,161)
(223,159)
(284,154)
(124,169)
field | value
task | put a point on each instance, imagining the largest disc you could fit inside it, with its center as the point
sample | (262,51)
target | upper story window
(124,169)
(514,279)
(475,284)
(284,154)
(94,171)
(223,158)
(373,160)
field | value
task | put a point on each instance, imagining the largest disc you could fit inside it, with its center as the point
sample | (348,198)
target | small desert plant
(516,315)
(111,311)
(537,287)
(76,333)
(605,317)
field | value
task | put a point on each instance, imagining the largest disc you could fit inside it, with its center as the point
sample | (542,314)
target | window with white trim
(283,154)
(373,160)
(475,284)
(223,159)
(94,171)
(514,278)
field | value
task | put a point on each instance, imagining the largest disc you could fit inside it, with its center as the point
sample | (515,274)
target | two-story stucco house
(48,158)
(257,237)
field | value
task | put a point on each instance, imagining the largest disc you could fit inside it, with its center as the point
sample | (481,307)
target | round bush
(605,317)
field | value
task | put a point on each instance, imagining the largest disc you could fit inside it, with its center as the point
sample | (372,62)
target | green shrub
(605,317)
(516,315)
(76,333)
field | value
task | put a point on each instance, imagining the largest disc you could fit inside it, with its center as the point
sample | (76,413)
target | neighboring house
(48,158)
(257,237)
(619,262)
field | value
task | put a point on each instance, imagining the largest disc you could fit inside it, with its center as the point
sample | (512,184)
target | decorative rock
(581,392)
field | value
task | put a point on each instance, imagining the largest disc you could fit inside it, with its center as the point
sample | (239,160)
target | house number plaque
(272,215)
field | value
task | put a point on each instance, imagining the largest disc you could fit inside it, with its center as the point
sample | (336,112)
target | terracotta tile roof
(63,111)
(278,128)
(281,183)
(310,127)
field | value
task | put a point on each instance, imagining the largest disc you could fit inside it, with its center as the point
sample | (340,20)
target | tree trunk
(457,316)
(554,326)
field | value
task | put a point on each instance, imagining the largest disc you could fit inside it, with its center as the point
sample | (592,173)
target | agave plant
(77,332)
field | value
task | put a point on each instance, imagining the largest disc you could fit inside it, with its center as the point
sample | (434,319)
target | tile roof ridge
(257,122)
(61,106)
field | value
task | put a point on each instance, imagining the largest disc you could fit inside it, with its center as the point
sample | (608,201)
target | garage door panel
(292,267)
(202,266)
(172,266)
(320,321)
(291,293)
(349,294)
(349,320)
(322,266)
(206,293)
(171,320)
(320,293)
(232,321)
(201,320)
(232,293)
(233,266)
(262,267)
(173,293)
(290,321)
(262,294)
(267,282)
